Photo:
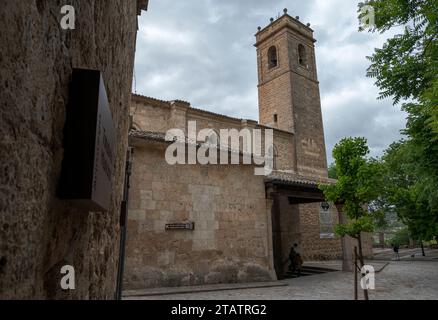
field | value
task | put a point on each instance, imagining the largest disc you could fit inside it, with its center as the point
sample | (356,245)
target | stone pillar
(269,204)
(347,255)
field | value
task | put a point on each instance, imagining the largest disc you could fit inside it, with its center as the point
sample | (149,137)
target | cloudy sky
(202,51)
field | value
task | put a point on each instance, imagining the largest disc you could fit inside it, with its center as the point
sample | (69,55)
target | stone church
(205,224)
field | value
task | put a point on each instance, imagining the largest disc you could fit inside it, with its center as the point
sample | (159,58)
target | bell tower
(288,87)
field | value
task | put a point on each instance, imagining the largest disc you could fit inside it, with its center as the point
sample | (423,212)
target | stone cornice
(142,5)
(285,21)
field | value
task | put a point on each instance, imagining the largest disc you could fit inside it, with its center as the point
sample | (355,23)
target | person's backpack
(299,260)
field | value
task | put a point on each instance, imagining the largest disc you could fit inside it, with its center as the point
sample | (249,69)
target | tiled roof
(156,136)
(189,107)
(148,135)
(287,178)
(219,115)
(161,137)
(153,100)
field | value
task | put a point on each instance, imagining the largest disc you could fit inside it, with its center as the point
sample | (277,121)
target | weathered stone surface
(39,232)
(252,273)
(229,212)
(290,91)
(240,227)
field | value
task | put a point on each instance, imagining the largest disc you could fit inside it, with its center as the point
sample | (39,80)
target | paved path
(203,288)
(406,254)
(399,280)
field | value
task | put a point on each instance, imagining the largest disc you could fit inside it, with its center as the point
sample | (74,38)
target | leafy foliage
(401,237)
(407,63)
(406,69)
(406,191)
(355,227)
(332,171)
(356,187)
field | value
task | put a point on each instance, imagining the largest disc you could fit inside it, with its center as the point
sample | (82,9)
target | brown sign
(89,138)
(181,226)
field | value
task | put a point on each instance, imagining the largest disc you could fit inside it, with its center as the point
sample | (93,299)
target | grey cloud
(202,52)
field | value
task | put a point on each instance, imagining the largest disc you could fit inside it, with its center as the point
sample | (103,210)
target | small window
(302,58)
(275,118)
(272,57)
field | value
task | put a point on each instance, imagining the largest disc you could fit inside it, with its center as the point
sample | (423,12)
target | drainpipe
(123,218)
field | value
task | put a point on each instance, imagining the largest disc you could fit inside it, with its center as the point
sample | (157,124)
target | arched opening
(272,57)
(302,57)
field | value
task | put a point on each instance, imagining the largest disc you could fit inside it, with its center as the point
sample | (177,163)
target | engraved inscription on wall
(310,147)
(326,221)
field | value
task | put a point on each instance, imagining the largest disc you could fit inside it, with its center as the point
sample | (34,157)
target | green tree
(401,237)
(404,191)
(406,69)
(332,171)
(406,66)
(357,186)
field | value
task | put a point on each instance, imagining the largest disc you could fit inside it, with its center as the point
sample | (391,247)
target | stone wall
(300,224)
(271,103)
(313,247)
(284,151)
(306,101)
(311,154)
(289,227)
(40,233)
(226,203)
(151,115)
(155,115)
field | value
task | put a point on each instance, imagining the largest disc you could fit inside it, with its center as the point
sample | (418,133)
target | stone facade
(244,224)
(230,240)
(301,224)
(289,100)
(39,233)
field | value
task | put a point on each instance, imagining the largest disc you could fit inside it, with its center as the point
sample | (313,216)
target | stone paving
(407,254)
(400,280)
